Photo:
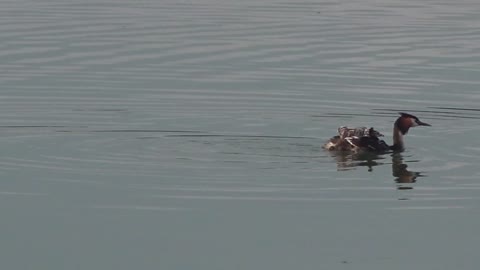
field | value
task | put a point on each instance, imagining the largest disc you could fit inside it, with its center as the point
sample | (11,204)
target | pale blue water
(187,135)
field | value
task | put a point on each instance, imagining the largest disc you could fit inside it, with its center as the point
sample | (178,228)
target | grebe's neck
(397,139)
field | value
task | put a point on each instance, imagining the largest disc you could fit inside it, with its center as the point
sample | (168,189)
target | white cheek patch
(414,123)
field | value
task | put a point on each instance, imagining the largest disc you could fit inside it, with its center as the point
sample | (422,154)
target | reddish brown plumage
(404,123)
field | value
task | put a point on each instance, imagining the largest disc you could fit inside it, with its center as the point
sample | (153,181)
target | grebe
(366,139)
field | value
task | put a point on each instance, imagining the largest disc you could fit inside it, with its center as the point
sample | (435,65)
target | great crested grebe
(366,139)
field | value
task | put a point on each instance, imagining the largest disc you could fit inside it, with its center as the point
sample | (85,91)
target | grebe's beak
(420,123)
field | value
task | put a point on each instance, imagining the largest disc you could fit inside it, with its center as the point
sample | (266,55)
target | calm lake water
(187,134)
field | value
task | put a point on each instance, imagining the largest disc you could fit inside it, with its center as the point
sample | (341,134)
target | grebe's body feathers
(368,143)
(349,139)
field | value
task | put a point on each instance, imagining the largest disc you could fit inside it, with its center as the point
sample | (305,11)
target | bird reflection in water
(403,176)
(348,161)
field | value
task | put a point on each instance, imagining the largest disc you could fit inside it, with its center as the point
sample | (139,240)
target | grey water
(187,134)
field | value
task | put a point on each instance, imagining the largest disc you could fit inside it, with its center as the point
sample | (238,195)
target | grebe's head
(406,121)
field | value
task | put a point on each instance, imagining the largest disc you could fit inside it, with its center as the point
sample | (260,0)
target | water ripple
(224,93)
